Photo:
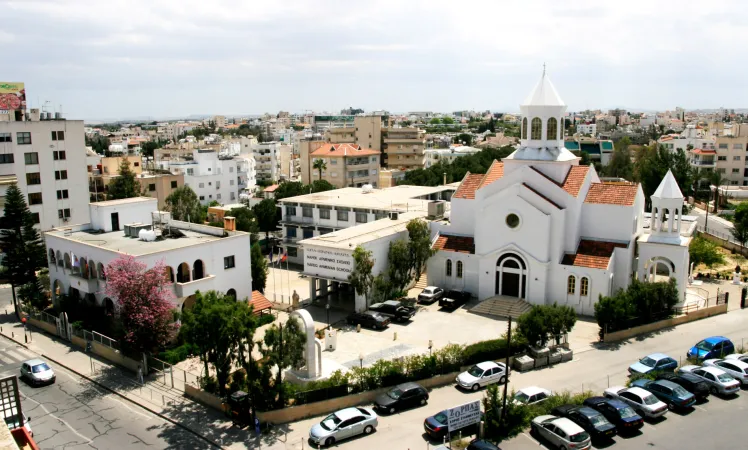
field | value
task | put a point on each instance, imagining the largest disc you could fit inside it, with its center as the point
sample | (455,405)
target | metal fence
(170,375)
(718,234)
(128,386)
(43,316)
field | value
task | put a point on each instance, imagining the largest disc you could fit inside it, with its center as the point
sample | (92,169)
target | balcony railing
(186,289)
(697,162)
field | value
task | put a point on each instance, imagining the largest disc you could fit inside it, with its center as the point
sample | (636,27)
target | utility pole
(506,381)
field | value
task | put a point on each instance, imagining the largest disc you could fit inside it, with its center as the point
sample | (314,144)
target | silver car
(343,424)
(734,367)
(719,382)
(643,402)
(430,294)
(37,372)
(561,432)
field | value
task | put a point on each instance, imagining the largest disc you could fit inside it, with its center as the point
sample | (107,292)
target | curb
(16,341)
(134,402)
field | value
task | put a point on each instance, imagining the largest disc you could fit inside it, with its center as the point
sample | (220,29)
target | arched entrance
(511,276)
(56,290)
(198,270)
(659,269)
(231,293)
(183,273)
(108,306)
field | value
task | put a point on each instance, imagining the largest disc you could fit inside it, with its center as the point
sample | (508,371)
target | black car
(591,420)
(689,382)
(617,412)
(453,298)
(436,426)
(368,319)
(481,444)
(394,309)
(402,396)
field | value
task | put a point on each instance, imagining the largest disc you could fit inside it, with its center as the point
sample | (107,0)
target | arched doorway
(56,290)
(198,270)
(59,258)
(169,273)
(52,259)
(92,270)
(511,276)
(231,293)
(100,270)
(83,268)
(108,306)
(67,261)
(659,269)
(183,273)
(188,302)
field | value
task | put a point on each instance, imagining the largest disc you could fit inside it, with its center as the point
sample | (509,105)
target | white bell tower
(667,207)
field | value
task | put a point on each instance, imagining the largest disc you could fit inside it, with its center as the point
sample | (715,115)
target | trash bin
(331,340)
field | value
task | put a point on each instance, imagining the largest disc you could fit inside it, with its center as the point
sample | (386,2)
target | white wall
(130,212)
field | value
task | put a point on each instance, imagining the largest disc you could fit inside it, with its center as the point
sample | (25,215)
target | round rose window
(512,220)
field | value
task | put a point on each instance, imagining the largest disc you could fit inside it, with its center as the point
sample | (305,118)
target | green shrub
(265,319)
(176,354)
(238,381)
(640,304)
(492,349)
(641,376)
(209,384)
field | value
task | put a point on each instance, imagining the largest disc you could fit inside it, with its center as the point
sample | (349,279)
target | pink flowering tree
(144,299)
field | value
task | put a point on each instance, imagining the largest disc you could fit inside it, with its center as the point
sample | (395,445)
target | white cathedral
(541,228)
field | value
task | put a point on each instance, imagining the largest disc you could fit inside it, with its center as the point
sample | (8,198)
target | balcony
(85,285)
(703,162)
(189,288)
(297,220)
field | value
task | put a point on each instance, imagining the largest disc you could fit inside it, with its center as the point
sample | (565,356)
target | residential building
(211,176)
(48,159)
(539,228)
(197,257)
(322,123)
(108,168)
(267,156)
(587,128)
(403,148)
(732,155)
(366,132)
(599,150)
(346,165)
(216,214)
(447,155)
(219,122)
(159,185)
(390,177)
(693,136)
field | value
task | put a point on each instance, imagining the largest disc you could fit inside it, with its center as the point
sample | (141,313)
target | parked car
(689,382)
(592,421)
(482,374)
(561,432)
(711,347)
(430,294)
(658,362)
(37,372)
(734,367)
(719,382)
(739,356)
(617,412)
(368,319)
(643,402)
(401,396)
(672,394)
(453,299)
(436,426)
(343,424)
(481,444)
(394,310)
(531,395)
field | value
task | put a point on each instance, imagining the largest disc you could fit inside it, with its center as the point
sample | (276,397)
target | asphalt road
(75,413)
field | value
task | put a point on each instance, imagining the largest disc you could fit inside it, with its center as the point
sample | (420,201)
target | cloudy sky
(105,59)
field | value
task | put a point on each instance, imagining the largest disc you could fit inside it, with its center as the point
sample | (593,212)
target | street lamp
(361,360)
(431,344)
(327,307)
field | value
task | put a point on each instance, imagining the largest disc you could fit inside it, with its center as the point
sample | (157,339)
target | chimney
(229,223)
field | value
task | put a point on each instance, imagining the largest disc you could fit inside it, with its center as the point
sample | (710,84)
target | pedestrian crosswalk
(14,355)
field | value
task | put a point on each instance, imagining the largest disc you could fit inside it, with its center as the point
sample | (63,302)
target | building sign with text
(463,415)
(12,96)
(328,263)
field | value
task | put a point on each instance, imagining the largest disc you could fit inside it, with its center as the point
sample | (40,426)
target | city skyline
(117,59)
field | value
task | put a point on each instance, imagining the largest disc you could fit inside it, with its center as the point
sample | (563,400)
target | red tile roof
(271,188)
(574,179)
(343,150)
(495,172)
(622,194)
(593,254)
(469,185)
(459,244)
(259,302)
(704,151)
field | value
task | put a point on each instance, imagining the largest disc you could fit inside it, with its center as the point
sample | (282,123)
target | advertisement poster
(12,96)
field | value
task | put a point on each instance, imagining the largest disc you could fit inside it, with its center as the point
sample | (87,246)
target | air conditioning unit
(394,215)
(436,209)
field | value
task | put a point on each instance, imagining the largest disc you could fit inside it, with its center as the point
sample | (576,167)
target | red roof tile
(343,150)
(459,244)
(574,179)
(593,254)
(622,194)
(259,302)
(495,172)
(271,188)
(469,185)
(704,151)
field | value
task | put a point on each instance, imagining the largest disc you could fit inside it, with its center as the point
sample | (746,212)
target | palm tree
(320,165)
(716,179)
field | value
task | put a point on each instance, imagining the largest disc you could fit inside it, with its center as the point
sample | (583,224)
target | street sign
(464,415)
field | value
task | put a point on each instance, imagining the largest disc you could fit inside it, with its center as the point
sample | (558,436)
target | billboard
(12,96)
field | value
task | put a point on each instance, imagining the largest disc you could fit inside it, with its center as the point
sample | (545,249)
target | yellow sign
(12,96)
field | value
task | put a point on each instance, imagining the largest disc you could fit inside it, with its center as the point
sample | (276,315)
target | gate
(64,328)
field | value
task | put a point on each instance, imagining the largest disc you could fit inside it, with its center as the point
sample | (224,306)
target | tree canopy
(740,223)
(475,163)
(361,277)
(620,164)
(125,185)
(259,267)
(703,251)
(184,205)
(653,162)
(283,347)
(246,221)
(267,216)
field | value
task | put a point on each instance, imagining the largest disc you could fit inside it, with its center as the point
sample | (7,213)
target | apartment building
(404,147)
(693,135)
(159,185)
(267,157)
(322,123)
(347,165)
(197,257)
(107,168)
(587,128)
(732,155)
(211,176)
(447,155)
(48,159)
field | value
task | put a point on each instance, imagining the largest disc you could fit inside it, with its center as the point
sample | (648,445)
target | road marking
(55,417)
(531,438)
(4,362)
(29,355)
(699,408)
(15,355)
(649,426)
(69,375)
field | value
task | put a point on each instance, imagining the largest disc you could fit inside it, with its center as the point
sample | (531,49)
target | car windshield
(680,392)
(428,291)
(579,437)
(40,368)
(521,397)
(626,412)
(330,422)
(650,400)
(723,377)
(441,418)
(598,420)
(395,393)
(704,345)
(647,361)
(475,371)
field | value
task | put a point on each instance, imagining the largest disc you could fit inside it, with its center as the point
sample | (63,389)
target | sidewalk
(166,402)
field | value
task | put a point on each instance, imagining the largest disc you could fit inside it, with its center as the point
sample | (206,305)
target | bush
(238,381)
(640,304)
(177,354)
(492,349)
(209,384)
(545,322)
(265,319)
(641,376)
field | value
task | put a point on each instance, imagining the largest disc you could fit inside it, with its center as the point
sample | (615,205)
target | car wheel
(392,410)
(475,387)
(423,401)
(502,380)
(329,441)
(369,429)
(671,406)
(713,390)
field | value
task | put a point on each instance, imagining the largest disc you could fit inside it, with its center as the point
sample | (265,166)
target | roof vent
(367,189)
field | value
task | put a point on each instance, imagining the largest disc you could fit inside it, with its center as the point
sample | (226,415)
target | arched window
(571,285)
(52,259)
(198,270)
(449,267)
(92,269)
(59,258)
(100,270)
(537,129)
(231,293)
(169,274)
(524,128)
(552,129)
(67,261)
(183,273)
(459,269)
(585,287)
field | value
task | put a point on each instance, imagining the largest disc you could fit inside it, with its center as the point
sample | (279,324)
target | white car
(643,402)
(343,424)
(36,372)
(482,374)
(531,395)
(430,294)
(734,367)
(739,356)
(718,380)
(561,432)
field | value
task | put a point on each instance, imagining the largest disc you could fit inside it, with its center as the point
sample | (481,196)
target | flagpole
(272,251)
(288,276)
